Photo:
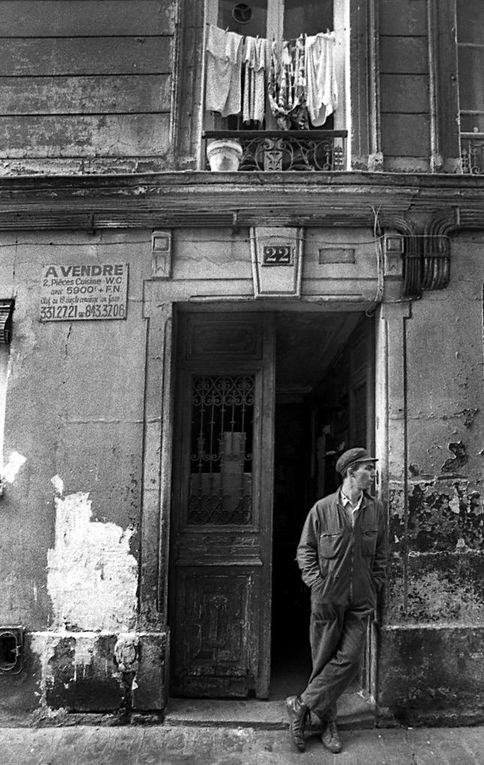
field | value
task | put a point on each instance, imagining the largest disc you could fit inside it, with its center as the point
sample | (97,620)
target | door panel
(222,506)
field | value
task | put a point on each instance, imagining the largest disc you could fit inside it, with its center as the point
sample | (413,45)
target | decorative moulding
(6,313)
(161,254)
(277,254)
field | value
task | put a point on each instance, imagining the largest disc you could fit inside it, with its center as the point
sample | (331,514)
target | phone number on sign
(105,311)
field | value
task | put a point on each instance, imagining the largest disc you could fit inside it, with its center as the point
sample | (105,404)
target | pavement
(173,744)
(229,732)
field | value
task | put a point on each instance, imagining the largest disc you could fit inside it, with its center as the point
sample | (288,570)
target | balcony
(285,151)
(472,153)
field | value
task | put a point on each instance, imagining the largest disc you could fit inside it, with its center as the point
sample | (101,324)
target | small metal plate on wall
(11,649)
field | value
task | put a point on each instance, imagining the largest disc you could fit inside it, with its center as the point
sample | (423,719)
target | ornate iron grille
(280,150)
(472,153)
(221,450)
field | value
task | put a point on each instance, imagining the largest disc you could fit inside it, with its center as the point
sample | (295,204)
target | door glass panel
(309,17)
(243,18)
(221,450)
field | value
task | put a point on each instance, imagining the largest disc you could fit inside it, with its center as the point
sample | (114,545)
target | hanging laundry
(223,92)
(287,84)
(321,90)
(254,58)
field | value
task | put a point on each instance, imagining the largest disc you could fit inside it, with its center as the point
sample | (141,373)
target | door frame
(161,303)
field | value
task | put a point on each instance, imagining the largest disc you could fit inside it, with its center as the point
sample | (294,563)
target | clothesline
(274,38)
(298,76)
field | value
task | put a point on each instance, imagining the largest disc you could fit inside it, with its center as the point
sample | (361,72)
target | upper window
(470,48)
(277,66)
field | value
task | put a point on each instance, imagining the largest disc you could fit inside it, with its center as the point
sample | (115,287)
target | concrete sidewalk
(202,745)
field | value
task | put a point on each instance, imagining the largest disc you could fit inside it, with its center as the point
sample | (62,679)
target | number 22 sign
(277,255)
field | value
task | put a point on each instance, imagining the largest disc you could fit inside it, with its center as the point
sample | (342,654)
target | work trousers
(337,636)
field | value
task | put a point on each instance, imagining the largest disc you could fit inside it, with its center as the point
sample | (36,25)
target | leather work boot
(330,737)
(298,714)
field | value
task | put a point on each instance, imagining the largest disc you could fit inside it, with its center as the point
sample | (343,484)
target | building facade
(184,352)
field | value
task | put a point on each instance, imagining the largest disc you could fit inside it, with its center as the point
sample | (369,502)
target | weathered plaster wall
(332,269)
(70,514)
(437,539)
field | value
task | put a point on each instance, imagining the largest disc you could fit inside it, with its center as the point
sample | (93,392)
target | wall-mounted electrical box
(11,650)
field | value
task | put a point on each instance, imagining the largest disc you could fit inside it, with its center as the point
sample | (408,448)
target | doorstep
(355,710)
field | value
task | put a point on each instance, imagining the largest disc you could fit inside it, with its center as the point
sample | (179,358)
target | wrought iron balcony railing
(472,153)
(280,150)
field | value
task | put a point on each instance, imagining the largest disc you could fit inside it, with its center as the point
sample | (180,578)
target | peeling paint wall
(437,508)
(91,576)
(70,514)
(73,411)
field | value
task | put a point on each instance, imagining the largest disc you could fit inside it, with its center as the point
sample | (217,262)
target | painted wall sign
(84,291)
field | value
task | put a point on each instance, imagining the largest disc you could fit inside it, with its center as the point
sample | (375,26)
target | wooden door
(220,582)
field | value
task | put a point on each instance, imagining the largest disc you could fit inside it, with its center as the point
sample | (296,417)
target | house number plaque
(278,255)
(276,246)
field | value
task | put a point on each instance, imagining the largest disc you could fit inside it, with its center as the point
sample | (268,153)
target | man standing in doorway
(342,555)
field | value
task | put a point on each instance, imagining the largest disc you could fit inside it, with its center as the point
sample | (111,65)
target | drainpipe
(436,161)
(375,159)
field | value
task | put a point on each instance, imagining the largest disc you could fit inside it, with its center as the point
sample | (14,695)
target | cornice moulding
(235,199)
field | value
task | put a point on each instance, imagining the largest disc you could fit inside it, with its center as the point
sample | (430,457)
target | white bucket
(224,155)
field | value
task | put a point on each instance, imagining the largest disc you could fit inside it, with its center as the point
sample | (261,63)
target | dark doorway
(324,405)
(265,402)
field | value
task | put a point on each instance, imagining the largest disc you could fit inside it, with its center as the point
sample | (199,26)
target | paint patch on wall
(58,484)
(460,458)
(92,577)
(445,516)
(12,466)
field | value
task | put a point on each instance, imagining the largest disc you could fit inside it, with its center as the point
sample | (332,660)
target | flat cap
(351,457)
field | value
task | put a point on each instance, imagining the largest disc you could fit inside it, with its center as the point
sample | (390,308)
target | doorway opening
(265,403)
(324,404)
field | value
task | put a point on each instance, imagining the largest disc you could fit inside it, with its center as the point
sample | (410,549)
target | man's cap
(351,457)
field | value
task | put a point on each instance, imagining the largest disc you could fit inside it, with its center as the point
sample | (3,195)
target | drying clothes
(254,58)
(321,89)
(287,84)
(224,71)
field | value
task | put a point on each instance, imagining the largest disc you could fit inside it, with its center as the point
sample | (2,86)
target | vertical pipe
(376,157)
(432,37)
(174,86)
(405,458)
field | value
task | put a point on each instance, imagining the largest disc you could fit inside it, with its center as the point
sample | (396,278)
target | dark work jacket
(340,563)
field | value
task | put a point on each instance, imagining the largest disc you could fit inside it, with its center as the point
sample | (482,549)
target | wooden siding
(403,93)
(82,136)
(405,135)
(403,17)
(60,56)
(60,18)
(85,79)
(85,95)
(404,84)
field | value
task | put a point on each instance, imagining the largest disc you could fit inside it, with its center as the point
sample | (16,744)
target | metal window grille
(221,450)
